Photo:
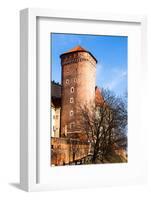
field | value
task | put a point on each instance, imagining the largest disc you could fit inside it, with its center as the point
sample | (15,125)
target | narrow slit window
(72,90)
(67,81)
(71,100)
(71,113)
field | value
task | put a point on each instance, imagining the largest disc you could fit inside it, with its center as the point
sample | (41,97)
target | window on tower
(72,124)
(72,90)
(67,81)
(71,100)
(71,113)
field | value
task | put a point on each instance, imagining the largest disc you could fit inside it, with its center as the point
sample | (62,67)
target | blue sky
(110,52)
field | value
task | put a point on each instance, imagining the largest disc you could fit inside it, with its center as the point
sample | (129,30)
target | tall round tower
(78,88)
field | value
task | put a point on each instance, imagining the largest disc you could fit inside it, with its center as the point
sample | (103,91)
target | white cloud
(79,41)
(99,68)
(67,39)
(111,85)
(124,74)
(117,78)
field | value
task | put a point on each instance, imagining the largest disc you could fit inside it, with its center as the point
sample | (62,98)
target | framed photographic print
(81,79)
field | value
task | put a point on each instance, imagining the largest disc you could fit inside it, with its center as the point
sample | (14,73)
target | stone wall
(66,151)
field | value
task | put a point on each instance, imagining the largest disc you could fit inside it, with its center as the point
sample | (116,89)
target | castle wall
(66,151)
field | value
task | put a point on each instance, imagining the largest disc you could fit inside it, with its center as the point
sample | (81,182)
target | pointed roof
(78,49)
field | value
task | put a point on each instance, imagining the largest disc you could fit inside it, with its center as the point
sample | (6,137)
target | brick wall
(78,89)
(65,150)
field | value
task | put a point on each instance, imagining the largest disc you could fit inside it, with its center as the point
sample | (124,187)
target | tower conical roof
(78,49)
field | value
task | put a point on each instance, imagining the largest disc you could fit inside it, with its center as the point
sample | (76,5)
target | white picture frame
(29,148)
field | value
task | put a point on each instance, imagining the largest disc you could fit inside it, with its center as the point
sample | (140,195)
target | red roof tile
(77,48)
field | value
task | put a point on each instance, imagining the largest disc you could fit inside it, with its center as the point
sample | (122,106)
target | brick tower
(78,88)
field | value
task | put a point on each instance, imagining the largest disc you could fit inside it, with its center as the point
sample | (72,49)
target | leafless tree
(105,125)
(74,148)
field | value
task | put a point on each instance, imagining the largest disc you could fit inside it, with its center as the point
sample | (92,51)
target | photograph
(89,99)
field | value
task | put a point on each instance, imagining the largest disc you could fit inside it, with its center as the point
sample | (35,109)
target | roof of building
(55,102)
(78,49)
(55,89)
(55,94)
(98,97)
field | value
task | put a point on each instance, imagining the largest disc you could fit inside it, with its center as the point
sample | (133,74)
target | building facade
(55,109)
